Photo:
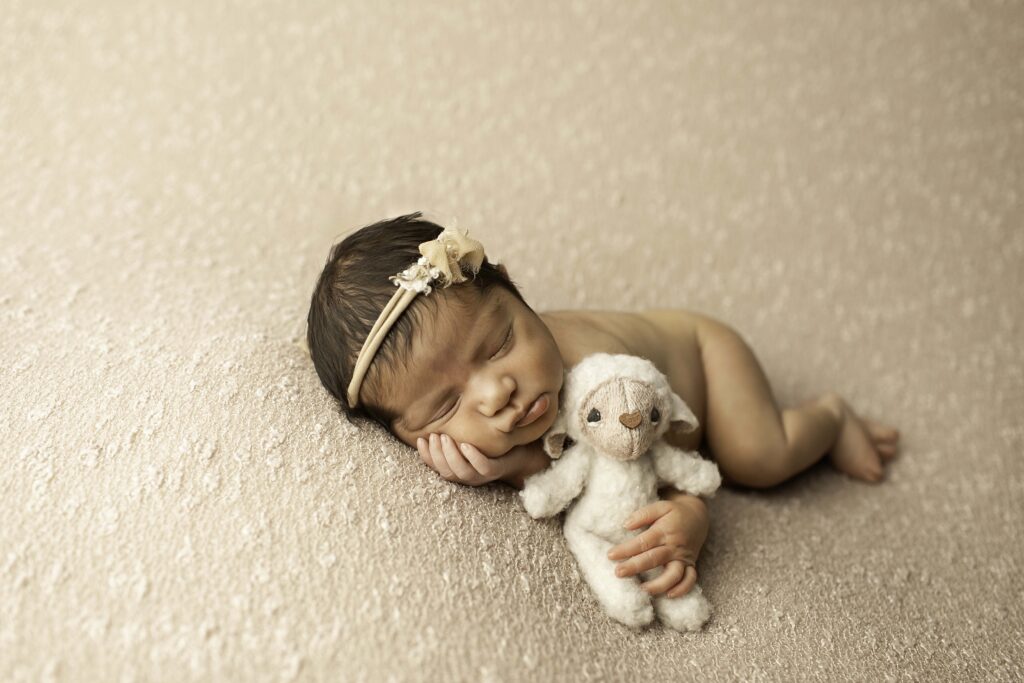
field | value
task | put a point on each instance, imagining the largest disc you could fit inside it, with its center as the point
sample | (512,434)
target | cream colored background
(839,181)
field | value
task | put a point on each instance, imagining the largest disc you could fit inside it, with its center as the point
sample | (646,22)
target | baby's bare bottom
(757,444)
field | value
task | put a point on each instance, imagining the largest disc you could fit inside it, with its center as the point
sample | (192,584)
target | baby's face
(476,375)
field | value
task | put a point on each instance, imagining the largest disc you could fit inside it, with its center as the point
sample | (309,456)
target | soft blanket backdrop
(179,502)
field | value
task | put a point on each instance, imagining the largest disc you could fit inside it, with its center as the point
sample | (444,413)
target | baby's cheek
(497,450)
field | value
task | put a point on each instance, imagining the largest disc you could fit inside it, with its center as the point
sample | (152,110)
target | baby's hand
(464,464)
(678,529)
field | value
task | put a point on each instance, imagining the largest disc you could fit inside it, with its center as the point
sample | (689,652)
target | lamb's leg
(621,598)
(685,613)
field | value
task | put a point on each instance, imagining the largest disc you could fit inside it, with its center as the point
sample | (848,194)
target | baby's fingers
(648,514)
(486,467)
(648,560)
(464,472)
(465,465)
(652,538)
(670,576)
(433,460)
(686,585)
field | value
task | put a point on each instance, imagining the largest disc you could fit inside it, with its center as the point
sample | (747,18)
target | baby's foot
(886,439)
(862,444)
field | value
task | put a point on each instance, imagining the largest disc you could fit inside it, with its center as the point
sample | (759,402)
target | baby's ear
(554,439)
(682,417)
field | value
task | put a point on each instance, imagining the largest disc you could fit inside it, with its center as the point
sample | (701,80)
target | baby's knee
(757,468)
(757,478)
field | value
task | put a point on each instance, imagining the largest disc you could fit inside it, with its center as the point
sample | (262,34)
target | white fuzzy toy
(616,407)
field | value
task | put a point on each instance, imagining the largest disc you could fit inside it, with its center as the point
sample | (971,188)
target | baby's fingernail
(445,439)
(464,445)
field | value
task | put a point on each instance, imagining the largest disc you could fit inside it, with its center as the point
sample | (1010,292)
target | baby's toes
(870,466)
(872,470)
(886,450)
(881,433)
(872,474)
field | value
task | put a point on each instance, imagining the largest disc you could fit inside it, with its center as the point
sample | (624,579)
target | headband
(441,263)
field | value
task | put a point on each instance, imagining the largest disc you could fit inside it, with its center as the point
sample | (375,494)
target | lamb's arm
(548,492)
(685,470)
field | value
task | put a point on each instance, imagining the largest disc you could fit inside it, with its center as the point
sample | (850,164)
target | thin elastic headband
(441,263)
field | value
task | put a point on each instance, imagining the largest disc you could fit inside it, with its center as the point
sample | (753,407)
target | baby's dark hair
(351,292)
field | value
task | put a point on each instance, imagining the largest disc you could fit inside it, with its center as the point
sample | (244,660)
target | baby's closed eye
(450,407)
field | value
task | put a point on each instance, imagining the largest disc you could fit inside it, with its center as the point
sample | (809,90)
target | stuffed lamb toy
(615,408)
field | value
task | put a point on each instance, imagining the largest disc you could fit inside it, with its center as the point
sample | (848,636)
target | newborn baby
(457,365)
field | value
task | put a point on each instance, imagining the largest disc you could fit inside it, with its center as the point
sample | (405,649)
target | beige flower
(442,260)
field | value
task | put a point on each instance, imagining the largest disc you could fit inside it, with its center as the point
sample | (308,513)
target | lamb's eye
(655,415)
(594,416)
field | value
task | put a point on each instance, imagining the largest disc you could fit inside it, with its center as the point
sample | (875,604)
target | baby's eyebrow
(495,313)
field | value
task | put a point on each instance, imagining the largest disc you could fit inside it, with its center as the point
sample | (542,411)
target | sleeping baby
(412,327)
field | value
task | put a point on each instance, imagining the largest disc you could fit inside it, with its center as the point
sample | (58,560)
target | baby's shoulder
(655,334)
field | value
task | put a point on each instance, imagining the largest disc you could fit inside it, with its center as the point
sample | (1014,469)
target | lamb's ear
(682,418)
(554,438)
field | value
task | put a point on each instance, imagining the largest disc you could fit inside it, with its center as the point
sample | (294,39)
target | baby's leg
(756,444)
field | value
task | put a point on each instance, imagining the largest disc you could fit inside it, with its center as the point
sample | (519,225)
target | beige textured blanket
(178,502)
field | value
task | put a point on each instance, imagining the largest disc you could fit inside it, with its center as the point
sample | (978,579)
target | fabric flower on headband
(442,260)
